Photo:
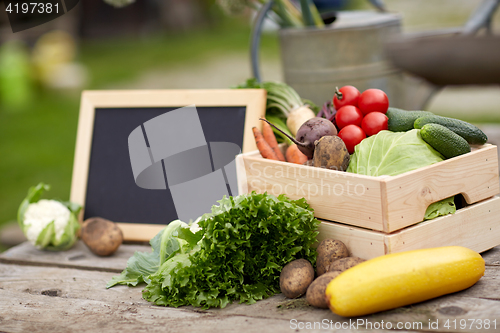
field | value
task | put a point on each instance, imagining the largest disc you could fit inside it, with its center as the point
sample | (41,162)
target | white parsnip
(297,117)
(284,99)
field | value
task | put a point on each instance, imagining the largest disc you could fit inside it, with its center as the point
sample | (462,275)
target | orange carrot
(267,132)
(294,155)
(265,150)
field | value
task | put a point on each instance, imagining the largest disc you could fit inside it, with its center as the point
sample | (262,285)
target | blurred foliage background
(149,44)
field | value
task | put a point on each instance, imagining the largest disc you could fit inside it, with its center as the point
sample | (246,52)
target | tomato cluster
(359,114)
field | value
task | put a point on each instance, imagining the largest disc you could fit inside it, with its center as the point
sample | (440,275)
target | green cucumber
(445,141)
(469,132)
(401,120)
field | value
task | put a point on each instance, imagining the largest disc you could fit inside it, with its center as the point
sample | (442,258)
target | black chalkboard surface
(111,190)
(107,180)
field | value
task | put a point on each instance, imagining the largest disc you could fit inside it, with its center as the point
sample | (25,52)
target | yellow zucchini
(400,279)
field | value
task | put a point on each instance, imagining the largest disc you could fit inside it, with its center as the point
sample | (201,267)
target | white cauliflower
(48,224)
(41,213)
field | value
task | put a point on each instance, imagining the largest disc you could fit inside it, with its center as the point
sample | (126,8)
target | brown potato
(101,236)
(295,277)
(315,294)
(329,250)
(345,263)
(330,152)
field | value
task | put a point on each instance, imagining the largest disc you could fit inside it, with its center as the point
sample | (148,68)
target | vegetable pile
(356,116)
(351,286)
(359,133)
(48,224)
(237,253)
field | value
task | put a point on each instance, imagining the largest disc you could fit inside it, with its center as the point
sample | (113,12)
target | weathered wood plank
(77,257)
(80,302)
(433,315)
(492,257)
(487,288)
(80,257)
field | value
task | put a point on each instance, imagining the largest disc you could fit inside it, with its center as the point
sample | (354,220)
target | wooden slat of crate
(332,194)
(378,203)
(476,227)
(474,175)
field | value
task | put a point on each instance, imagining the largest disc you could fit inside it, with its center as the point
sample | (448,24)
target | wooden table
(65,292)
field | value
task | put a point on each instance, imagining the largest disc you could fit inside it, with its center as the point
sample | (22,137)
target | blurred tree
(128,17)
(16,86)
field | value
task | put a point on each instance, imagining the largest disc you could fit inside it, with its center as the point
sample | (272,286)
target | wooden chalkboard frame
(253,99)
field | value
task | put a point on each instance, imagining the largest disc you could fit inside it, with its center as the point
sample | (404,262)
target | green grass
(36,145)
(37,142)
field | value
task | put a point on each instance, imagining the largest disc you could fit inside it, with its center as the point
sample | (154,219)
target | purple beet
(309,132)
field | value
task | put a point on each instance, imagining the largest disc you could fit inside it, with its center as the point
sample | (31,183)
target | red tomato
(374,122)
(347,95)
(348,115)
(373,100)
(351,135)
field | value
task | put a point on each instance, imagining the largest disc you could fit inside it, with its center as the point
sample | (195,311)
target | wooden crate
(382,203)
(476,227)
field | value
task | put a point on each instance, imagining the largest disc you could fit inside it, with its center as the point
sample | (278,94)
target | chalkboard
(146,158)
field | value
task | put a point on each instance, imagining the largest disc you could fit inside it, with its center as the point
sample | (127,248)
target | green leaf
(139,267)
(190,237)
(306,13)
(440,208)
(34,194)
(392,153)
(169,242)
(73,207)
(278,122)
(285,18)
(45,236)
(281,98)
(68,238)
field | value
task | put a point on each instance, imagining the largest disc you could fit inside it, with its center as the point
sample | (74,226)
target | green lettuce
(441,208)
(237,254)
(393,153)
(143,264)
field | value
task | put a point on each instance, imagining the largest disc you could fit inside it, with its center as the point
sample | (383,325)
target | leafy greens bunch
(237,253)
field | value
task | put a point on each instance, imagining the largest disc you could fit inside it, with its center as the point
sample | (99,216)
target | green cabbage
(48,224)
(237,254)
(393,153)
